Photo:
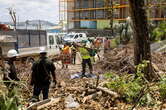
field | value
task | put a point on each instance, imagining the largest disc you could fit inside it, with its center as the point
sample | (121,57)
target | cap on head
(43,50)
(12,53)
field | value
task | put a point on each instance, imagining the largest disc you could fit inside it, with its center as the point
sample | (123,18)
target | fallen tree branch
(97,80)
(34,105)
(92,96)
(75,89)
(112,93)
(52,102)
(44,103)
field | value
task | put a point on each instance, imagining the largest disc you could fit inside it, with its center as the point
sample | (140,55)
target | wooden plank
(51,103)
(43,104)
(92,96)
(35,105)
(112,93)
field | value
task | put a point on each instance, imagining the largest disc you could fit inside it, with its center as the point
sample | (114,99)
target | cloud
(30,9)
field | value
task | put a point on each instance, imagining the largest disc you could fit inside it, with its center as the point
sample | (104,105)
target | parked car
(75,37)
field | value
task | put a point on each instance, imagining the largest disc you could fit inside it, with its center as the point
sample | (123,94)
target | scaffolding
(75,11)
(64,15)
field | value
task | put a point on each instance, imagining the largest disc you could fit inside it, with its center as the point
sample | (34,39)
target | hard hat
(43,50)
(12,53)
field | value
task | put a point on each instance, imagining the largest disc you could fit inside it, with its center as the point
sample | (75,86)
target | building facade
(96,14)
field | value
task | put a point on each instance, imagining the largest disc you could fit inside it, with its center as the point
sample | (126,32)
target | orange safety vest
(66,50)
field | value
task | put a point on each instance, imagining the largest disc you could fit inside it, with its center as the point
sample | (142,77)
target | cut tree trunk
(105,90)
(141,37)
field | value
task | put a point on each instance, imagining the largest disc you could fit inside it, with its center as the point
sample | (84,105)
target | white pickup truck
(75,37)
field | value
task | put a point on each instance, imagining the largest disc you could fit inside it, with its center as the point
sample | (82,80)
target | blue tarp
(87,75)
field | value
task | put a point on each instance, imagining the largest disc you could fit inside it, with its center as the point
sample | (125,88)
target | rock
(70,103)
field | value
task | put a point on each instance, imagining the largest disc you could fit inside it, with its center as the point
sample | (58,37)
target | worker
(10,73)
(73,53)
(86,58)
(97,47)
(106,45)
(66,55)
(88,43)
(97,43)
(42,70)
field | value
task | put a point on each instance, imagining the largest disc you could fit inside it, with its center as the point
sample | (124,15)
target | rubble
(117,60)
(121,60)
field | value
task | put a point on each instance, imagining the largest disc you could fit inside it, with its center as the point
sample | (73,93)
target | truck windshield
(69,36)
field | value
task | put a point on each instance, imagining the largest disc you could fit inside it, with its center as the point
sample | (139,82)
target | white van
(75,37)
(53,43)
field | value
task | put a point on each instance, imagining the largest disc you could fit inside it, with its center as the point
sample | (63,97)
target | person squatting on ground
(86,58)
(10,73)
(42,70)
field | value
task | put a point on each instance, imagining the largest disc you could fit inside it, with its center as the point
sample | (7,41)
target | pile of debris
(120,60)
(88,93)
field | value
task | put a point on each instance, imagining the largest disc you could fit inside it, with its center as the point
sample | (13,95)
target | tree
(141,37)
(109,5)
(13,16)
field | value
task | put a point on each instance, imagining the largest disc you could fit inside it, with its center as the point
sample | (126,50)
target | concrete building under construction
(97,14)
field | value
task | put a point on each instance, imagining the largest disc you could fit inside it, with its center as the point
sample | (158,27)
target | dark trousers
(84,62)
(37,90)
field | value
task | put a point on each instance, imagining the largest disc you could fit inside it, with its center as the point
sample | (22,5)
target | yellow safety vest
(84,53)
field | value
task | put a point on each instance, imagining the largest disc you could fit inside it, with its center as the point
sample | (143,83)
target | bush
(10,101)
(159,33)
(126,86)
(162,88)
(130,86)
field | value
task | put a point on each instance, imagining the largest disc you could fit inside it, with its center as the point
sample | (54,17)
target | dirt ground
(118,60)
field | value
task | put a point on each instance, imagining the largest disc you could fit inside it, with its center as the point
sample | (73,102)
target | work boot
(34,99)
(83,75)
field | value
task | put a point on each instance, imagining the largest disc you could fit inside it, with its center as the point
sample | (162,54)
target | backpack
(41,74)
(92,52)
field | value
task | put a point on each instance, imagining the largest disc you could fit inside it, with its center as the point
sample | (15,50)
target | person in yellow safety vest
(86,58)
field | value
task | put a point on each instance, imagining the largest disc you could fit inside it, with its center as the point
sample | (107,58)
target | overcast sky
(30,10)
